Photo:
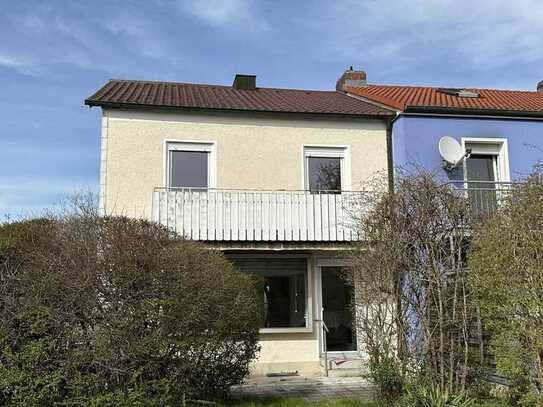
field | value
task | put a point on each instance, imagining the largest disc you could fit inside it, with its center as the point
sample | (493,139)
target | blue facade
(415,141)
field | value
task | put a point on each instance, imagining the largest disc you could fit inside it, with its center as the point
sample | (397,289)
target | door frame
(321,262)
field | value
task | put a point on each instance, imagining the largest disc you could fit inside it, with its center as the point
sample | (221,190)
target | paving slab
(305,387)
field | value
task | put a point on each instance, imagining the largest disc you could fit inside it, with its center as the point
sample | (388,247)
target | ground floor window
(283,289)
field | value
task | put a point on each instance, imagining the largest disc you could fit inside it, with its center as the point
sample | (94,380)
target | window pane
(188,169)
(481,168)
(324,174)
(284,293)
(482,195)
(338,310)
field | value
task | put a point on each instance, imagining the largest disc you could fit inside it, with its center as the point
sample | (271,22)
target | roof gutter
(489,113)
(114,105)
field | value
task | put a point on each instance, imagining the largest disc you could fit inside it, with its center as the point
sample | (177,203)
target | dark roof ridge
(209,85)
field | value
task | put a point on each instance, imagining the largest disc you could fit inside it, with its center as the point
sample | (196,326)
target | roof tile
(405,97)
(182,95)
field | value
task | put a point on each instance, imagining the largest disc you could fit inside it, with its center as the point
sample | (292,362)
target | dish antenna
(452,153)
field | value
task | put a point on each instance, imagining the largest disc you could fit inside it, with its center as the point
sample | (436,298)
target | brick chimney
(245,82)
(351,78)
(540,86)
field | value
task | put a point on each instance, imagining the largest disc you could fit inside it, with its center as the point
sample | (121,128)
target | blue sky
(55,53)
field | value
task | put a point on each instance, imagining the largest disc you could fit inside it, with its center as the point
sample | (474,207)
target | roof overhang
(473,111)
(238,112)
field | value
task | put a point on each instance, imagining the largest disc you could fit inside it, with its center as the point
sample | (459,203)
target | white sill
(285,330)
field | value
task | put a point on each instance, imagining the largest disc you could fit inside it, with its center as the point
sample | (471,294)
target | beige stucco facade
(289,351)
(250,153)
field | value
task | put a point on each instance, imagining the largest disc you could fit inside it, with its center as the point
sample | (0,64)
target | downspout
(390,161)
(390,151)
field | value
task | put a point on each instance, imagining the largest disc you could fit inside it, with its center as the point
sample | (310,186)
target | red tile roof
(419,98)
(126,93)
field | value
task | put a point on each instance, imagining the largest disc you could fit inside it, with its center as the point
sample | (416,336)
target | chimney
(351,78)
(540,87)
(245,82)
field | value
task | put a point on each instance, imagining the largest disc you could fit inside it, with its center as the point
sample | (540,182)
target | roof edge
(472,111)
(120,105)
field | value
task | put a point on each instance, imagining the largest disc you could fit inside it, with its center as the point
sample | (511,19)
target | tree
(506,278)
(409,272)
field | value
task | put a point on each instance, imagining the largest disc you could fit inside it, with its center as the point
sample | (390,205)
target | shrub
(507,280)
(105,311)
(423,396)
(31,371)
(385,373)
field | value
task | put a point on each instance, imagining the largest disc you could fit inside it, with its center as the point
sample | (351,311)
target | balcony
(254,215)
(484,196)
(285,216)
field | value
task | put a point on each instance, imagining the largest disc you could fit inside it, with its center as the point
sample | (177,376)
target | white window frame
(490,146)
(343,152)
(309,319)
(321,262)
(192,145)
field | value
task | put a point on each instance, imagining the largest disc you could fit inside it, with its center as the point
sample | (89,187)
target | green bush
(116,311)
(506,278)
(384,372)
(423,396)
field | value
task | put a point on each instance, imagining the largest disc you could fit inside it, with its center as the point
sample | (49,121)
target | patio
(309,388)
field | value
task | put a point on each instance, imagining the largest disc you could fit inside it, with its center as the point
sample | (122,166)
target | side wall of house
(416,138)
(251,153)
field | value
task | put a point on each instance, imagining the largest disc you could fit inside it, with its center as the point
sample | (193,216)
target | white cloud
(402,34)
(109,42)
(225,13)
(10,62)
(140,35)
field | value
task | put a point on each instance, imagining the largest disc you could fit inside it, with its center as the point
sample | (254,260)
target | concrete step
(344,373)
(343,363)
(343,367)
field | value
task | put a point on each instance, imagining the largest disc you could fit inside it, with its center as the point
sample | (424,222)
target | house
(500,131)
(269,176)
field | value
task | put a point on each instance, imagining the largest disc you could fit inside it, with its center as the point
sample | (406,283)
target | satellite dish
(452,152)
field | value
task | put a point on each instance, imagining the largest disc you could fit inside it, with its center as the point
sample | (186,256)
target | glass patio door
(338,311)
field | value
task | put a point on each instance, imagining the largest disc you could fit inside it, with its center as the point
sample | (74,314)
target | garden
(111,311)
(450,296)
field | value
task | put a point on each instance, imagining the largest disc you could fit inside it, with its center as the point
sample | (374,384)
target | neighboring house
(503,129)
(266,175)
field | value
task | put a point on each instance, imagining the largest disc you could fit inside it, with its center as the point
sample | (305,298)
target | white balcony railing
(484,196)
(252,215)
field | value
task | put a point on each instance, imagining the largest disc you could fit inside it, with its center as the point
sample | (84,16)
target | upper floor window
(189,165)
(481,167)
(488,162)
(485,171)
(325,169)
